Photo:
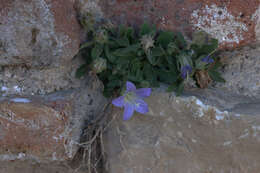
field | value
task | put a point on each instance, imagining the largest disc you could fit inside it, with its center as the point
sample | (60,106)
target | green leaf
(210,47)
(180,89)
(157,51)
(164,38)
(108,92)
(114,83)
(96,51)
(184,59)
(199,64)
(128,51)
(151,58)
(112,44)
(122,30)
(180,40)
(147,29)
(207,46)
(216,65)
(216,76)
(130,33)
(170,59)
(87,44)
(124,42)
(167,77)
(149,73)
(109,56)
(172,48)
(133,78)
(177,87)
(81,71)
(145,84)
(200,38)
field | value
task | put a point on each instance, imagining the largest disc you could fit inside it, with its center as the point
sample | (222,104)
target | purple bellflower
(207,60)
(132,100)
(186,70)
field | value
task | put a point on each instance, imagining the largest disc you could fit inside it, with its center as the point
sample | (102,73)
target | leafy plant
(147,57)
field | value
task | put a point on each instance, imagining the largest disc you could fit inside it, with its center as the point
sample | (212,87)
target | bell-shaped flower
(132,100)
(185,71)
(207,60)
(185,62)
(203,61)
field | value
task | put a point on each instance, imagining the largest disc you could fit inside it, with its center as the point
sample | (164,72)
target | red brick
(34,129)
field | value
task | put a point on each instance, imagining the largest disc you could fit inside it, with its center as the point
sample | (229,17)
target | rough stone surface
(46,128)
(256,17)
(242,71)
(25,166)
(38,41)
(217,131)
(89,7)
(184,135)
(232,22)
(38,32)
(32,81)
(43,108)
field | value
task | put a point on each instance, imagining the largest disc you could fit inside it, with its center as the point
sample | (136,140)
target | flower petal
(119,102)
(141,106)
(130,86)
(128,112)
(207,59)
(143,92)
(186,70)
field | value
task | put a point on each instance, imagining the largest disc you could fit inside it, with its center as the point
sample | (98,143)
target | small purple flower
(207,60)
(185,71)
(132,100)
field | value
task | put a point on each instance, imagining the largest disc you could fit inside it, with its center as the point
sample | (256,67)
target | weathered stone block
(38,32)
(184,135)
(241,70)
(46,128)
(34,129)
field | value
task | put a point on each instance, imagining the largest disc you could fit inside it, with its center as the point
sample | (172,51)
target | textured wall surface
(46,128)
(232,22)
(44,109)
(184,135)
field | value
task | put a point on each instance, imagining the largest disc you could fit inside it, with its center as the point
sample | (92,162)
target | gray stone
(242,71)
(184,135)
(32,81)
(38,32)
(38,41)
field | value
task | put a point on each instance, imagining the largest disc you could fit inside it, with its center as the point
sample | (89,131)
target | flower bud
(186,64)
(99,65)
(101,36)
(147,42)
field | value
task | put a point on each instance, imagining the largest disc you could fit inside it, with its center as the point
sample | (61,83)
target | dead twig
(94,152)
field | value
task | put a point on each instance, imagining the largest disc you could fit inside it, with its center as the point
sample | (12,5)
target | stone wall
(44,108)
(232,22)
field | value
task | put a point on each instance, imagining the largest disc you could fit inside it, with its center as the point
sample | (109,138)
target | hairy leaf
(96,51)
(147,29)
(164,38)
(81,71)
